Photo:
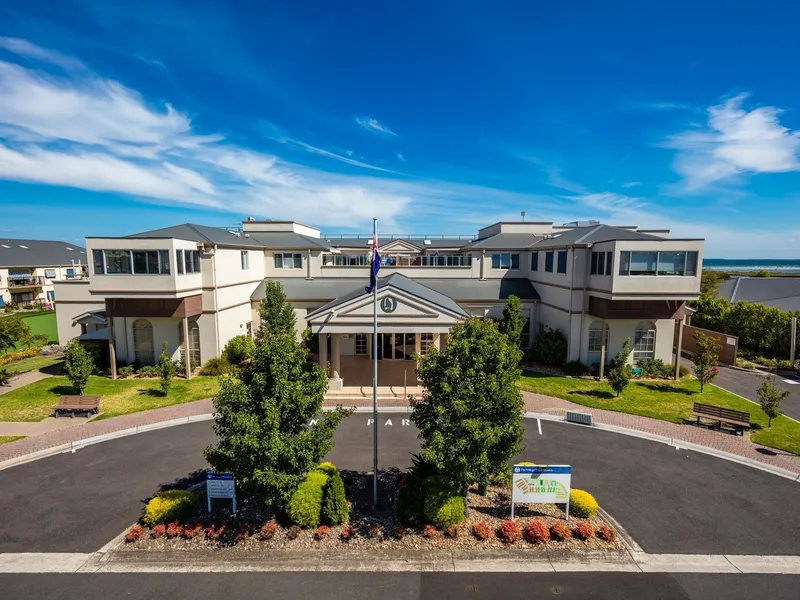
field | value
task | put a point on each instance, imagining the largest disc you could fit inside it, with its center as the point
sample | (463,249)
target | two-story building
(597,284)
(28,269)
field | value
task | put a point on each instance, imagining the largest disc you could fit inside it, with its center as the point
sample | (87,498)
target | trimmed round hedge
(444,506)
(582,504)
(305,505)
(169,506)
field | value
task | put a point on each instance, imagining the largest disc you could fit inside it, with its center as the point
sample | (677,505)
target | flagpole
(375,372)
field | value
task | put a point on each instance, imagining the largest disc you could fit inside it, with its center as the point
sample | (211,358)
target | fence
(729,343)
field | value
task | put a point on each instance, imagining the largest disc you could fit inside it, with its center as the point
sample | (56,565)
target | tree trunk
(770,423)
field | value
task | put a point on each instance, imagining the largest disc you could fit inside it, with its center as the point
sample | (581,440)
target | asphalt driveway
(746,384)
(669,500)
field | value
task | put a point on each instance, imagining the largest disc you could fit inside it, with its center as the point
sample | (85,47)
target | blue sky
(434,117)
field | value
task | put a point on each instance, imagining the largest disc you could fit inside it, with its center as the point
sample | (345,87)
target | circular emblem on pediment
(388,304)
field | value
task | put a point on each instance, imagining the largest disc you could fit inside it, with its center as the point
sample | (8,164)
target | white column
(323,352)
(335,382)
(483,264)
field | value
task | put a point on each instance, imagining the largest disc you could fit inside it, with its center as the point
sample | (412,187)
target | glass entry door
(396,346)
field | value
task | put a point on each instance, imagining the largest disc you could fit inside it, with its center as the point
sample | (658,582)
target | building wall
(73,300)
(620,329)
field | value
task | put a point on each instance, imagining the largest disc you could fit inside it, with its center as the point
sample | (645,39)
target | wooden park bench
(87,405)
(738,419)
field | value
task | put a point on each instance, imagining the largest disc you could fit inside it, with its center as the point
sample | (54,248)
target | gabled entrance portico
(411,319)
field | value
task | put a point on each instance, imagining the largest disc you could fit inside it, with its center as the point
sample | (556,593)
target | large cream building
(596,283)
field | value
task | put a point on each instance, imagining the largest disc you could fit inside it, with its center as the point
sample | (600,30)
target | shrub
(656,368)
(215,367)
(430,531)
(4,377)
(328,468)
(18,355)
(215,531)
(191,531)
(238,349)
(452,531)
(443,505)
(411,501)
(334,507)
(482,530)
(510,531)
(684,371)
(322,532)
(560,531)
(606,533)
(549,348)
(78,365)
(125,371)
(134,534)
(537,532)
(158,531)
(166,369)
(745,364)
(422,468)
(305,505)
(619,372)
(375,531)
(172,505)
(583,530)
(268,529)
(174,530)
(399,532)
(503,478)
(293,532)
(576,367)
(147,371)
(582,504)
(348,533)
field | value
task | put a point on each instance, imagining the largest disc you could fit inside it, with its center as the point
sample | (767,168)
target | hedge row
(319,497)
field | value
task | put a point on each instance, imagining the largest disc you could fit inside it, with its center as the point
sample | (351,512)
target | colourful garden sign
(541,484)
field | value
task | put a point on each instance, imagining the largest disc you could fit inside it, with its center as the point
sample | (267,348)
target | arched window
(598,335)
(143,342)
(644,344)
(194,341)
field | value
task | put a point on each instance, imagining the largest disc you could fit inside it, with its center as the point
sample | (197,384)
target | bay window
(652,263)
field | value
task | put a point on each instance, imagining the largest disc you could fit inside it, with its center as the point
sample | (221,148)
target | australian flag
(374,267)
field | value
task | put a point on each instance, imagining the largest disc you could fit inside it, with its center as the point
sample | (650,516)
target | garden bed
(256,527)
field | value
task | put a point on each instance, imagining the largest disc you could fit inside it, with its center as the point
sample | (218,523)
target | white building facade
(595,283)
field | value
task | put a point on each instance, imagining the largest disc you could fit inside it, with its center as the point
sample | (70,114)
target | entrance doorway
(396,346)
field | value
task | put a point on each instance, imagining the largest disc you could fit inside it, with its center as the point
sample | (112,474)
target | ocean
(773,265)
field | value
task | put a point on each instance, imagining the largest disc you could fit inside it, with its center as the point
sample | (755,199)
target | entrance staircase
(362,395)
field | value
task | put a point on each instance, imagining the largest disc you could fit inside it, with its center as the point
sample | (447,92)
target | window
(289,261)
(99,265)
(143,353)
(658,263)
(548,261)
(249,327)
(562,261)
(505,261)
(191,261)
(534,261)
(361,343)
(598,335)
(194,342)
(245,260)
(346,260)
(50,273)
(130,262)
(593,264)
(425,342)
(179,261)
(644,345)
(118,262)
(609,260)
(446,260)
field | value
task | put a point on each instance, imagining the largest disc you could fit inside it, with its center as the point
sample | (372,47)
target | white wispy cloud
(734,142)
(400,157)
(630,184)
(374,126)
(24,48)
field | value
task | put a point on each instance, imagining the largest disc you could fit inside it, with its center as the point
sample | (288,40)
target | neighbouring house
(780,292)
(28,269)
(596,283)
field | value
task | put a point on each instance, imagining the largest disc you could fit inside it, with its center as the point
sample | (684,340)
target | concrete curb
(678,444)
(509,560)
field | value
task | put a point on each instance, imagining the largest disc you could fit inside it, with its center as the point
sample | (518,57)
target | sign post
(541,484)
(220,485)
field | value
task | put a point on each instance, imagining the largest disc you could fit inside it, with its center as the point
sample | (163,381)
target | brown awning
(155,307)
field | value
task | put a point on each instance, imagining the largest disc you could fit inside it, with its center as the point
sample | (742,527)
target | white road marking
(539,424)
(790,381)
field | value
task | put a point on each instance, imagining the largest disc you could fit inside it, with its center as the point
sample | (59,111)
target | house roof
(780,292)
(458,289)
(39,253)
(287,239)
(419,241)
(197,233)
(505,241)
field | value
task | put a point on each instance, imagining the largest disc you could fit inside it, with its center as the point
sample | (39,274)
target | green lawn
(42,322)
(4,439)
(668,401)
(34,363)
(35,401)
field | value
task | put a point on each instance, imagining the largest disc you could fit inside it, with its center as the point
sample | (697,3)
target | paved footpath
(23,379)
(535,403)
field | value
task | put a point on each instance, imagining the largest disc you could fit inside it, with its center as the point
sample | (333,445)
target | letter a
(388,423)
